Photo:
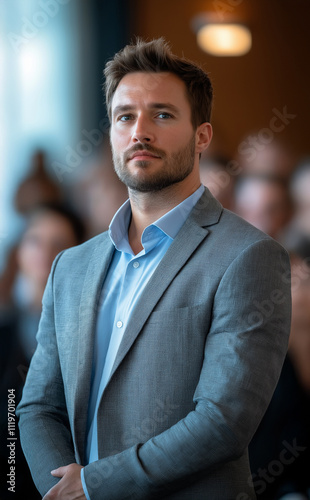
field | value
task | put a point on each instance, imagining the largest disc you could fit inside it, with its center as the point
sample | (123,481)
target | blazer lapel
(99,262)
(206,212)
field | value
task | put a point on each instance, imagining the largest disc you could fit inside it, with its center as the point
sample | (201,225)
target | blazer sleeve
(244,353)
(43,420)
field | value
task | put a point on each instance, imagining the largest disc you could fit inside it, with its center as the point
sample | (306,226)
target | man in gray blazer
(161,341)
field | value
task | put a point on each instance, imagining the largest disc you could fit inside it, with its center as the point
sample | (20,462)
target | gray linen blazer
(195,371)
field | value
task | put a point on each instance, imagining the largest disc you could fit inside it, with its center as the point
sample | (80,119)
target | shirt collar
(170,223)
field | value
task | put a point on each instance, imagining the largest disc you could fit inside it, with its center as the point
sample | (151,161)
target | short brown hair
(156,57)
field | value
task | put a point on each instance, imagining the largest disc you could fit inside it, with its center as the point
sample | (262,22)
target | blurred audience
(50,229)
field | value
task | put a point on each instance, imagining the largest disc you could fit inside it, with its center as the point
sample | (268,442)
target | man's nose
(143,130)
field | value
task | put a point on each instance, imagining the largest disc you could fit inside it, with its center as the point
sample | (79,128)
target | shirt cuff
(84,485)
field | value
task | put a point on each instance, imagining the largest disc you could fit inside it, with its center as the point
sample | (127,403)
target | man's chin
(150,185)
(143,179)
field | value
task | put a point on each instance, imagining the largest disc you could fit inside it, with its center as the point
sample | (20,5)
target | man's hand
(69,487)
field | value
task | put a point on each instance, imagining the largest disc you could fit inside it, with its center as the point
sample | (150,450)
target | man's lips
(143,154)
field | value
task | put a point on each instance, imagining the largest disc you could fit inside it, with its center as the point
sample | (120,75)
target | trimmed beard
(176,167)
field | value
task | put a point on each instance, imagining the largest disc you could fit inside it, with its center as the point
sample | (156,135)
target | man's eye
(125,118)
(164,115)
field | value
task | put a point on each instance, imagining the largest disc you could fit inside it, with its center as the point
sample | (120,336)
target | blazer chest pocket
(185,326)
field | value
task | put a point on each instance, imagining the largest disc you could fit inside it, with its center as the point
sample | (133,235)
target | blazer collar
(207,210)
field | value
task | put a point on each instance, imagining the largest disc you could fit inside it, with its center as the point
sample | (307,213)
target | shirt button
(136,264)
(119,324)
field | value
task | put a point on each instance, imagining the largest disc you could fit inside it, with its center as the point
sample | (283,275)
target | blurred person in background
(264,201)
(261,155)
(36,189)
(298,232)
(49,229)
(300,189)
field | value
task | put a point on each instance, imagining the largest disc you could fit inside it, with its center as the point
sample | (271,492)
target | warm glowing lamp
(221,39)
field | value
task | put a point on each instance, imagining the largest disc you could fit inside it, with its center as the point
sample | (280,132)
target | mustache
(143,147)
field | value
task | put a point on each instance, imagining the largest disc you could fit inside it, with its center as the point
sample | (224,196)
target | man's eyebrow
(164,105)
(123,108)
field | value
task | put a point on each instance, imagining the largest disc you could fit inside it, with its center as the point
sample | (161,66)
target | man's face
(152,137)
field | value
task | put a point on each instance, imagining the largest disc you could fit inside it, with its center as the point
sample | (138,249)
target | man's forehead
(149,85)
(150,79)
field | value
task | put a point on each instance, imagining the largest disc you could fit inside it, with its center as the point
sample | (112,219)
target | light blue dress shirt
(123,286)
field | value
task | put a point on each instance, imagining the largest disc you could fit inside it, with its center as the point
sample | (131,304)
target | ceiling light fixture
(222,39)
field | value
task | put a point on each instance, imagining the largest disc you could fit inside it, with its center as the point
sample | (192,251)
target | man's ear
(204,135)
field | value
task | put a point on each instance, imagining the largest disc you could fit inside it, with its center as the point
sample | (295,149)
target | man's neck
(148,207)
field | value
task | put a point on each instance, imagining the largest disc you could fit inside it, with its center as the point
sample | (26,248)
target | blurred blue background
(52,53)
